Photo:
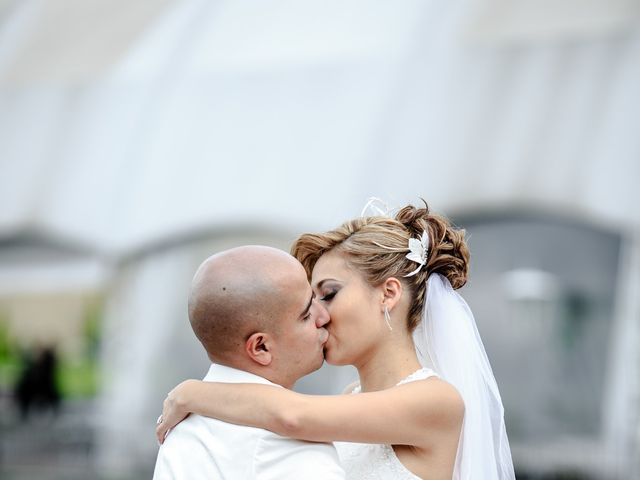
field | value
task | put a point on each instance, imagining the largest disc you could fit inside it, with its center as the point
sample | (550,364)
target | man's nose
(322,315)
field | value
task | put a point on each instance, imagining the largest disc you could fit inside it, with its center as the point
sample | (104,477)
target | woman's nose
(322,315)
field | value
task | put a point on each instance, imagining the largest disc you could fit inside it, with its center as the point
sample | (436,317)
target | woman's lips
(324,335)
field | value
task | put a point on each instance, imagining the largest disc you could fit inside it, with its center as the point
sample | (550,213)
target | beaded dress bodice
(376,461)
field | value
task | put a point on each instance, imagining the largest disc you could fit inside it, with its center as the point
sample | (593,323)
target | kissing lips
(324,335)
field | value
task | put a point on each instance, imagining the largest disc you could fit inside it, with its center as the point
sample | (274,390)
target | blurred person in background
(253,310)
(36,388)
(388,286)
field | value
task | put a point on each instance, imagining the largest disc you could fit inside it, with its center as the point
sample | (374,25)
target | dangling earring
(387,317)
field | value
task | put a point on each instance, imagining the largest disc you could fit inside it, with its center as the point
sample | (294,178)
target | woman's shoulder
(432,398)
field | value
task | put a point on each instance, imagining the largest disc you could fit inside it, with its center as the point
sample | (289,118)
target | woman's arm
(415,413)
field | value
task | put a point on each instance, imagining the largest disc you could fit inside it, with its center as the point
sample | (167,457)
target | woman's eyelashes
(329,296)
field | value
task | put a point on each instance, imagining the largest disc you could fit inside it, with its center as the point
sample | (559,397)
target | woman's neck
(389,364)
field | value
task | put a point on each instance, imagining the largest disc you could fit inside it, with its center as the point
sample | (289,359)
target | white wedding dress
(376,461)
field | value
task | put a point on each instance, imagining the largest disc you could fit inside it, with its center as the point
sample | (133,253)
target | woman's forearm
(409,414)
(263,406)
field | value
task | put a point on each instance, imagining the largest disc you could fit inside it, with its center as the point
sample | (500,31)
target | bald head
(238,292)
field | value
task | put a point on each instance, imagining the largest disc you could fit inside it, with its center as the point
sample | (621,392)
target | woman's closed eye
(329,296)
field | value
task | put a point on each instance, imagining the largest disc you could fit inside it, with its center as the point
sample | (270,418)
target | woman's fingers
(170,417)
(161,433)
(158,429)
(162,425)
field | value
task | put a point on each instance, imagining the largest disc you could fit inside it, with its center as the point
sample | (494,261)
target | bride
(427,405)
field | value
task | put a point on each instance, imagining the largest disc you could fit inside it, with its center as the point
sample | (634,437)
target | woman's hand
(174,409)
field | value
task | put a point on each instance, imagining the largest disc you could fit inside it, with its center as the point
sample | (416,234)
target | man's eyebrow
(306,310)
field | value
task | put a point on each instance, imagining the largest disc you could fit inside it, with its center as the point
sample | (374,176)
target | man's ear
(391,291)
(258,348)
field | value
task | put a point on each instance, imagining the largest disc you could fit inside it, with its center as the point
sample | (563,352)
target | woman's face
(355,309)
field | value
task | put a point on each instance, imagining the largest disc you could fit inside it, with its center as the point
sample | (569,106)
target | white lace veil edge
(447,341)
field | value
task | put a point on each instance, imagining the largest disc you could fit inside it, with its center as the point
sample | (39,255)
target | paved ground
(50,446)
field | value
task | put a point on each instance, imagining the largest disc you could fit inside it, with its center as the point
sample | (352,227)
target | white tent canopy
(142,122)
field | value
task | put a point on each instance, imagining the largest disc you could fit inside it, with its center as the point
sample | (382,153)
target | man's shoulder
(278,457)
(198,429)
(214,446)
(201,447)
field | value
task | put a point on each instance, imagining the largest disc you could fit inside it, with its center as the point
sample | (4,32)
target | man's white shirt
(204,448)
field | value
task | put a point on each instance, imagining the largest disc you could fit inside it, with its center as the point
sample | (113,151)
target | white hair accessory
(419,249)
(375,208)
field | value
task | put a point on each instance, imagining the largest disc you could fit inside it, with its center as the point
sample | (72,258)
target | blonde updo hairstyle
(377,246)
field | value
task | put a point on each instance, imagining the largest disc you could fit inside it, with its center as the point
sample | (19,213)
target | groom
(253,310)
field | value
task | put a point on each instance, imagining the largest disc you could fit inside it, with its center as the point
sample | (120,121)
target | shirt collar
(223,373)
